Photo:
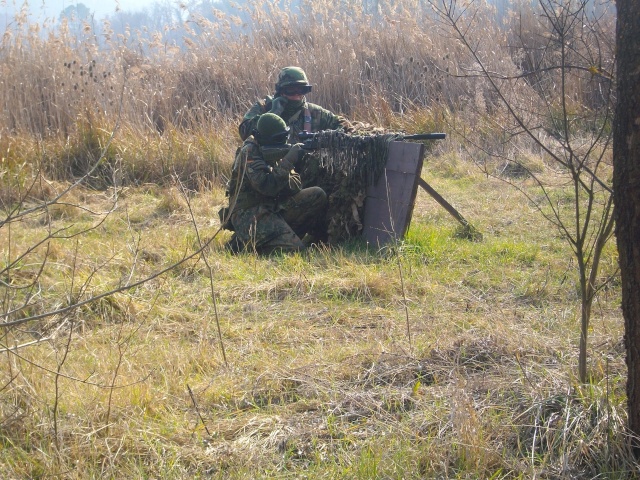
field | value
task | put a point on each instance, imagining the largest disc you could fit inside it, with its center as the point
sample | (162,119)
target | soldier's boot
(286,242)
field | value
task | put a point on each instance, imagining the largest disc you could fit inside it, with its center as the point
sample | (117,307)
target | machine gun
(319,140)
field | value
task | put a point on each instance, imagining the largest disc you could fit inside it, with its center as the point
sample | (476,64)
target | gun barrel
(419,136)
(425,136)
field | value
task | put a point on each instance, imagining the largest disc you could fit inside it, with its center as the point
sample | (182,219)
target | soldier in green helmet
(289,102)
(268,208)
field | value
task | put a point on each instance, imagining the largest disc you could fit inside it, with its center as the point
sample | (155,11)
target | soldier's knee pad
(316,195)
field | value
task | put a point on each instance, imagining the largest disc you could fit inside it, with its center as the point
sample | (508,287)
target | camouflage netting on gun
(343,166)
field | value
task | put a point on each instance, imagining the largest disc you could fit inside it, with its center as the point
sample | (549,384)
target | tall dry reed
(371,61)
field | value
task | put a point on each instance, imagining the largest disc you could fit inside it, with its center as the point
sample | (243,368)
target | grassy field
(436,357)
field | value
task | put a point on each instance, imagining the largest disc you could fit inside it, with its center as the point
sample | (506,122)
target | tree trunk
(626,185)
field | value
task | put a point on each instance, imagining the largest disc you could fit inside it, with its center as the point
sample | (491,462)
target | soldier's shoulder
(250,145)
(258,108)
(317,108)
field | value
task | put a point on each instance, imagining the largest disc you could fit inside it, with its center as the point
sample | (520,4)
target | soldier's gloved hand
(277,105)
(293,155)
(302,158)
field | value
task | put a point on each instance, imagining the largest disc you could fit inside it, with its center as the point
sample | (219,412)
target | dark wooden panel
(389,203)
(405,157)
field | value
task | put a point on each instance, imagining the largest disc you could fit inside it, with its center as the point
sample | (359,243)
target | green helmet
(292,76)
(271,129)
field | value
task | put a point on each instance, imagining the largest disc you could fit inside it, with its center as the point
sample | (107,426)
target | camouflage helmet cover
(271,129)
(291,76)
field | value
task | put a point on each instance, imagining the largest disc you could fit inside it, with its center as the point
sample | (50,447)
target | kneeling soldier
(268,210)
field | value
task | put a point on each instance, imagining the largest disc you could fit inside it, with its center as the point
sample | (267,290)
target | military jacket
(256,181)
(319,119)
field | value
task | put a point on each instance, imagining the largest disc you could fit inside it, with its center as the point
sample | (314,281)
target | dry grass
(219,73)
(319,377)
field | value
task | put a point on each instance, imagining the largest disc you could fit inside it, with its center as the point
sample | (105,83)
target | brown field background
(176,109)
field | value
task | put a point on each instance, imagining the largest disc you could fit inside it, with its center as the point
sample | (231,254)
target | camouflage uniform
(299,115)
(269,210)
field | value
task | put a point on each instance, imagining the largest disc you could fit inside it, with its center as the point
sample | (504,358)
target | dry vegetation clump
(134,346)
